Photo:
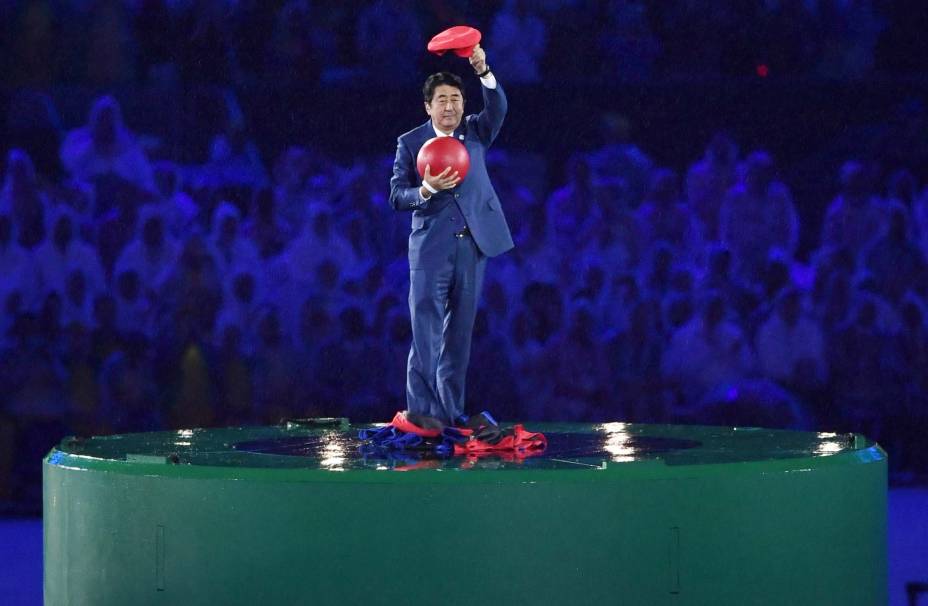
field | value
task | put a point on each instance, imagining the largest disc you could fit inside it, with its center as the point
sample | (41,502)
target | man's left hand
(478,60)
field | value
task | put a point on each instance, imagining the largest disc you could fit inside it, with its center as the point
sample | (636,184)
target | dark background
(296,106)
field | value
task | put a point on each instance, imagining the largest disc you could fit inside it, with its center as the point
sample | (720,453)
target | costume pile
(474,436)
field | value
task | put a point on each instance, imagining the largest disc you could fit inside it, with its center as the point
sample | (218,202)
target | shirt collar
(438,133)
(458,132)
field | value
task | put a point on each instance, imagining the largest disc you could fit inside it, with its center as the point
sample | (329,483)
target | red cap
(461,39)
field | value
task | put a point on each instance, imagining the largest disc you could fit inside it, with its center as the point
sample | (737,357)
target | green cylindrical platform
(612,513)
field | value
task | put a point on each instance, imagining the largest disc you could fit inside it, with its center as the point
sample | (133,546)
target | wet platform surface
(334,445)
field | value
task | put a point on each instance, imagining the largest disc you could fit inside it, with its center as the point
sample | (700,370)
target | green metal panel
(747,517)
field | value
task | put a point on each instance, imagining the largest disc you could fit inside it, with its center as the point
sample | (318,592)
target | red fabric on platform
(403,424)
(519,441)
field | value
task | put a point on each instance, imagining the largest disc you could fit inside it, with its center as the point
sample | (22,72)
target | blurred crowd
(141,294)
(148,286)
(241,42)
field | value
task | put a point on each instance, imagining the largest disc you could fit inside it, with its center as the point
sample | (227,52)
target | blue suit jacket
(432,236)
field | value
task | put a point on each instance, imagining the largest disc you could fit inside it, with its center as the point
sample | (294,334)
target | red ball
(442,152)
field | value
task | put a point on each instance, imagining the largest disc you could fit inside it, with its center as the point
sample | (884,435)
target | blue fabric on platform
(377,434)
(406,440)
(388,437)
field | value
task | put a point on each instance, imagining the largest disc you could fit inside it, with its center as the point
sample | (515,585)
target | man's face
(446,107)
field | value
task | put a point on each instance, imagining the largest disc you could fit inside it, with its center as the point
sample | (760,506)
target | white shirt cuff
(431,189)
(489,80)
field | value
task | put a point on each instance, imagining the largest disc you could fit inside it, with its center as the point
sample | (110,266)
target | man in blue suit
(456,226)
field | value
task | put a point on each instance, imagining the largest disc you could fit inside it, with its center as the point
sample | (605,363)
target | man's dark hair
(436,80)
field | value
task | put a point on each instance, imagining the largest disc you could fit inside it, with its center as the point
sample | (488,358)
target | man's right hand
(442,180)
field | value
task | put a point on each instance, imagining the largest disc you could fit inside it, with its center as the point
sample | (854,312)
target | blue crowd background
(720,216)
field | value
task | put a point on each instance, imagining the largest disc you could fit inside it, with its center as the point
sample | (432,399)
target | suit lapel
(461,130)
(426,132)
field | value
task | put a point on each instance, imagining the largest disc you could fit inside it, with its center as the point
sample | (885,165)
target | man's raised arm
(490,119)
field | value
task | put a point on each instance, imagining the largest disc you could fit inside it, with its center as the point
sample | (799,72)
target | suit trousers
(442,307)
